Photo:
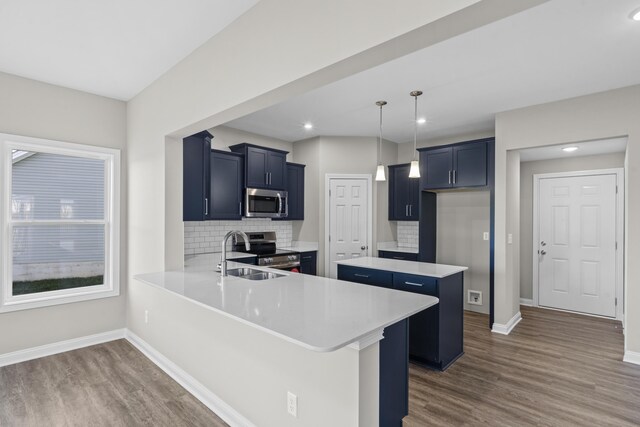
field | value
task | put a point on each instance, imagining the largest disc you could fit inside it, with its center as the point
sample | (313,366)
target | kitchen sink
(252,274)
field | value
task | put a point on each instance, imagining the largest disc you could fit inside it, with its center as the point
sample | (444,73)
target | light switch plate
(509,238)
(485,235)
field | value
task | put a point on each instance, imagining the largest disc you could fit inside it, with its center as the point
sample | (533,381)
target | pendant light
(414,171)
(380,170)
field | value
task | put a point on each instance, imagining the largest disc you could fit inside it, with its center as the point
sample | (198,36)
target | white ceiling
(587,148)
(113,48)
(558,50)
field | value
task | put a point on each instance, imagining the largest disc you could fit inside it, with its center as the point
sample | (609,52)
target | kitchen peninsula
(343,337)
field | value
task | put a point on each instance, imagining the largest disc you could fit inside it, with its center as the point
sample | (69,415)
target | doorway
(348,219)
(578,241)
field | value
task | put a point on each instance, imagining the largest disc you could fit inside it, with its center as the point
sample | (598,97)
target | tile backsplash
(408,234)
(206,236)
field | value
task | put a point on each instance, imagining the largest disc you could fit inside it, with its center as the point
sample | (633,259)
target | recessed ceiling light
(635,15)
(422,121)
(569,149)
(308,126)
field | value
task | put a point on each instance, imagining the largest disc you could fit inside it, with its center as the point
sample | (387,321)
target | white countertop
(317,313)
(302,246)
(410,267)
(393,247)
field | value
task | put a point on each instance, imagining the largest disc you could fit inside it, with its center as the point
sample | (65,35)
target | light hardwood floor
(554,369)
(110,384)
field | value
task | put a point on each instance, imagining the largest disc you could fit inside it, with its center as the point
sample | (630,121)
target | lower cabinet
(435,334)
(309,263)
(404,256)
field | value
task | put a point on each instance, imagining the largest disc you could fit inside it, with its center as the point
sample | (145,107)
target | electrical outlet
(292,404)
(509,238)
(146,316)
(485,235)
(474,297)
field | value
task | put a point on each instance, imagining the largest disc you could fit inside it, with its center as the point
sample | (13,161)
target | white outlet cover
(474,297)
(509,238)
(292,404)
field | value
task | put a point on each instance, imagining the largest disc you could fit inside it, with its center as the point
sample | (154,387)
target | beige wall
(462,218)
(527,170)
(269,54)
(599,116)
(41,110)
(350,155)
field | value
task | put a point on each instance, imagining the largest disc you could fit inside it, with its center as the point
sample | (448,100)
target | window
(60,222)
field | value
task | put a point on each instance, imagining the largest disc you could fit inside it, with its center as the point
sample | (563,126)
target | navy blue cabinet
(404,194)
(309,263)
(196,184)
(455,166)
(435,334)
(227,175)
(264,167)
(403,256)
(295,190)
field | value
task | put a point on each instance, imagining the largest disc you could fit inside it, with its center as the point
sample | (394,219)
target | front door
(577,243)
(348,220)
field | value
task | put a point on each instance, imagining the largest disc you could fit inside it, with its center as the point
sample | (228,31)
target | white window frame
(111,222)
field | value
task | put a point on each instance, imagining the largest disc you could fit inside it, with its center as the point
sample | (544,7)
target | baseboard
(631,357)
(526,301)
(193,386)
(59,347)
(506,329)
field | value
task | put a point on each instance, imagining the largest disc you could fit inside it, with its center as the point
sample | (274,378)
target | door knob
(543,243)
(362,248)
(543,252)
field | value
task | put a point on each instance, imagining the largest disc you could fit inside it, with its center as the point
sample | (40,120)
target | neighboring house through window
(60,222)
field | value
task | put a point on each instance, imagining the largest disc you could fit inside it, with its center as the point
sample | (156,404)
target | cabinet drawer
(365,276)
(418,284)
(405,256)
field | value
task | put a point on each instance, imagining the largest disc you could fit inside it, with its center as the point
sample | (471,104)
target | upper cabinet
(264,167)
(403,194)
(454,166)
(295,190)
(196,184)
(227,179)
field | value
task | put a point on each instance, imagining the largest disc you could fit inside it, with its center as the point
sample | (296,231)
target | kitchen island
(315,315)
(436,334)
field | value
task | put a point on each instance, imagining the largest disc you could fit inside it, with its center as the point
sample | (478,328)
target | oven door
(293,267)
(265,203)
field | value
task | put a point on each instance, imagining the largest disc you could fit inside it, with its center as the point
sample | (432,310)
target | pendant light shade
(380,176)
(414,171)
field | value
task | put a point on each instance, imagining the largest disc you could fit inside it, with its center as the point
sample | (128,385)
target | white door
(577,244)
(348,220)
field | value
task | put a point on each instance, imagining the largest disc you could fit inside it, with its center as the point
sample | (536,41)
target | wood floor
(554,369)
(110,384)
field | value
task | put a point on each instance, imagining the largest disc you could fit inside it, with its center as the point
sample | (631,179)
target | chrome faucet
(223,261)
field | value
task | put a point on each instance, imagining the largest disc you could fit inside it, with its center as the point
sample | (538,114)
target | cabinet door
(195,178)
(399,192)
(256,172)
(309,263)
(277,170)
(226,185)
(414,199)
(295,190)
(436,168)
(470,165)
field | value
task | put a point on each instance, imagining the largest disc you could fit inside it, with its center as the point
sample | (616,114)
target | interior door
(348,221)
(577,247)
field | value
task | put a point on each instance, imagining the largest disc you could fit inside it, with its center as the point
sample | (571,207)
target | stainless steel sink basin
(252,274)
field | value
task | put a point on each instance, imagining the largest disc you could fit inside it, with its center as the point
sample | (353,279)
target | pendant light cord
(380,139)
(415,126)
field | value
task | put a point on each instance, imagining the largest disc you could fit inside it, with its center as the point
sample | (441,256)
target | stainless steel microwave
(261,203)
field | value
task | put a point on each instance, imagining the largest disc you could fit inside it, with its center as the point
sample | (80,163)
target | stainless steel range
(263,246)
